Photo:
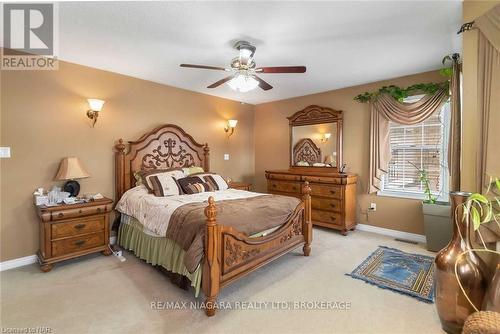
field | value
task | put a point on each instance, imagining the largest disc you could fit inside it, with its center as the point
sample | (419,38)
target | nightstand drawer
(82,226)
(71,245)
(77,212)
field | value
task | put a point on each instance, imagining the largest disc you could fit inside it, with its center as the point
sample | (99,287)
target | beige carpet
(101,295)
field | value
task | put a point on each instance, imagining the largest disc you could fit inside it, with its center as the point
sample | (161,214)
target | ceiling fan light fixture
(243,83)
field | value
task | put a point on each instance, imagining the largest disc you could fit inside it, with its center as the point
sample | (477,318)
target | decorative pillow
(215,180)
(193,185)
(193,170)
(164,185)
(201,187)
(176,173)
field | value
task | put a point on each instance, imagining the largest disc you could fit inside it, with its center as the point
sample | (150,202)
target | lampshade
(232,123)
(95,104)
(71,168)
(243,83)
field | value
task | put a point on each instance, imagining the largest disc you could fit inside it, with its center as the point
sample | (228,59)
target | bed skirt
(155,250)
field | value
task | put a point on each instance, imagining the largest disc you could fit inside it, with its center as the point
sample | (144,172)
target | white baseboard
(30,259)
(392,233)
(20,262)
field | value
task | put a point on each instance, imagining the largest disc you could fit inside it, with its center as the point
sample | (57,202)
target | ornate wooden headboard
(306,150)
(167,146)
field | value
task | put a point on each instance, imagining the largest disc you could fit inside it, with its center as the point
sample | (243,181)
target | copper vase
(452,306)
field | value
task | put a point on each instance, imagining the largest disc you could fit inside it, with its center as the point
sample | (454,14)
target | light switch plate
(4,152)
(226,156)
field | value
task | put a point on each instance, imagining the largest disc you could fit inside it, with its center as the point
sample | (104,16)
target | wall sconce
(325,137)
(231,124)
(95,107)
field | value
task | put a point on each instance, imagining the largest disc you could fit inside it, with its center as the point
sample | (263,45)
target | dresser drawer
(75,244)
(82,226)
(324,179)
(289,177)
(326,190)
(328,204)
(76,212)
(285,187)
(326,217)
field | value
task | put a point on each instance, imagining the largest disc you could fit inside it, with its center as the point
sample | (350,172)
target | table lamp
(71,168)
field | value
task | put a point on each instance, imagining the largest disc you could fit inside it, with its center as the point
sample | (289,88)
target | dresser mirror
(316,138)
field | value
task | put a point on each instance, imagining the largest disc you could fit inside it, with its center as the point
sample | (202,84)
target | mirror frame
(317,115)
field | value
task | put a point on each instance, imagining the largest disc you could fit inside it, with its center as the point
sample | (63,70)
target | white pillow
(176,174)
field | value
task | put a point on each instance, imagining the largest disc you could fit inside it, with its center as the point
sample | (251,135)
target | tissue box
(41,200)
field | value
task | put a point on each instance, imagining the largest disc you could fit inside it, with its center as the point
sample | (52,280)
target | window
(423,145)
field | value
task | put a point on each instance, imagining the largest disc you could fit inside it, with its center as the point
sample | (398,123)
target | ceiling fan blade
(281,69)
(204,67)
(221,81)
(262,84)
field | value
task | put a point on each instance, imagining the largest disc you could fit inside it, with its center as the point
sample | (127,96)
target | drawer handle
(274,185)
(79,226)
(80,211)
(60,215)
(99,209)
(332,191)
(333,218)
(79,243)
(332,205)
(294,188)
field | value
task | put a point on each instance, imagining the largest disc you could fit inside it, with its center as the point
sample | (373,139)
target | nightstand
(240,185)
(72,230)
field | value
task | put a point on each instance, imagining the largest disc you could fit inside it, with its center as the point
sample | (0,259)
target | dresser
(68,231)
(333,195)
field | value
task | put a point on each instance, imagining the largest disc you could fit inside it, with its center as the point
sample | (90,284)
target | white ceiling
(341,43)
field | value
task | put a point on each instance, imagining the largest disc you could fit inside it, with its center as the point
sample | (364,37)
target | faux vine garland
(400,94)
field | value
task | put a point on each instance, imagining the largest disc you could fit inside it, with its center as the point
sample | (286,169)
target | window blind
(420,144)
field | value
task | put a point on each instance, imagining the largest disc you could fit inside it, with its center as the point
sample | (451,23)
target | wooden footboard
(230,254)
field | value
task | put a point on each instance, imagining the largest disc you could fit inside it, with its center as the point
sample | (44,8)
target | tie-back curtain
(488,84)
(455,138)
(385,109)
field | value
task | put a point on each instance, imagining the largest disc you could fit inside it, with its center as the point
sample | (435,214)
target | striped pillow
(215,180)
(194,188)
(193,185)
(164,185)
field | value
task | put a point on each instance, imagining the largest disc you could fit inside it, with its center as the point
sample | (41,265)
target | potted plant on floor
(437,216)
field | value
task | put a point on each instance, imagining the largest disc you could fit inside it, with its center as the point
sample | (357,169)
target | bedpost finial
(306,189)
(211,211)
(206,148)
(120,147)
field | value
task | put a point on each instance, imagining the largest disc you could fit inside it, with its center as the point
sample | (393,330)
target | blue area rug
(406,273)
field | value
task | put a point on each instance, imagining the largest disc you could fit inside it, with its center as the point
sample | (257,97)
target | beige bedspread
(247,215)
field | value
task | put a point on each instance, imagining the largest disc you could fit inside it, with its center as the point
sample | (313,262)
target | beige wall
(471,133)
(271,148)
(43,119)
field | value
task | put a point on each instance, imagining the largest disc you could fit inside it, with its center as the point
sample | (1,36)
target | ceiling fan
(243,76)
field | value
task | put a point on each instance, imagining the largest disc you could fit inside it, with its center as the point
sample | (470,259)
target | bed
(239,229)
